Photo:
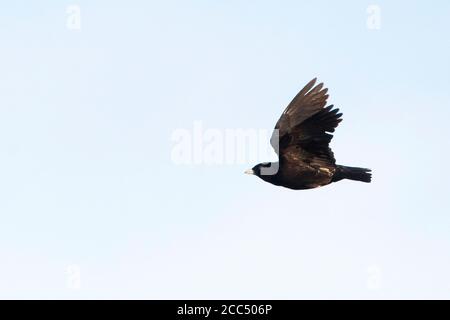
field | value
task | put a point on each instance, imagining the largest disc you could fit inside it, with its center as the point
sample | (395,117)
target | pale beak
(249,171)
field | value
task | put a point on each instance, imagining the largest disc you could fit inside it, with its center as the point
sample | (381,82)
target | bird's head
(264,170)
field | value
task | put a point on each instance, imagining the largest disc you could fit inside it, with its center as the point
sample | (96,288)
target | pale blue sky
(86,176)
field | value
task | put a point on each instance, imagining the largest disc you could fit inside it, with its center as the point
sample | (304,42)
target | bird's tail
(352,173)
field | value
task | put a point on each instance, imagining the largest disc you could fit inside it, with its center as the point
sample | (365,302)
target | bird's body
(300,176)
(301,139)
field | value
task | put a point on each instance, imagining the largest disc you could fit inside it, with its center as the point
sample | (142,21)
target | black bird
(301,139)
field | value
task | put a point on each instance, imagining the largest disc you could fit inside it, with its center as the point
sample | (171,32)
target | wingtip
(312,87)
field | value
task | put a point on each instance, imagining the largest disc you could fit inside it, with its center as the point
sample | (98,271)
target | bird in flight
(301,139)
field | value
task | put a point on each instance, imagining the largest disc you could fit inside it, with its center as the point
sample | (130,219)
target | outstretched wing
(303,131)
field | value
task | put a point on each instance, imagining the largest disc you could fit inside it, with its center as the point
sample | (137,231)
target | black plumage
(301,139)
